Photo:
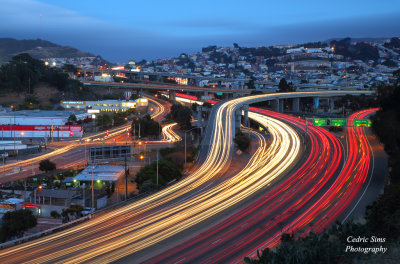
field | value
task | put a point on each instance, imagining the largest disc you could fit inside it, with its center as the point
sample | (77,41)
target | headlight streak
(255,215)
(216,161)
(337,199)
(169,134)
(76,143)
(174,228)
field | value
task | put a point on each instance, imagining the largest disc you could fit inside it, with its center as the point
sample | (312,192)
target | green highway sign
(362,122)
(219,93)
(339,122)
(320,121)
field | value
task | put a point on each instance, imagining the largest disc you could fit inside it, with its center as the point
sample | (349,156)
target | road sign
(339,122)
(109,152)
(320,121)
(362,122)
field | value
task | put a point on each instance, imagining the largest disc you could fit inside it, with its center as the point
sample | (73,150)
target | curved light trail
(240,231)
(149,230)
(160,112)
(131,228)
(169,134)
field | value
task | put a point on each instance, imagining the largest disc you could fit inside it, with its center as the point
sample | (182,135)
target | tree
(134,96)
(55,214)
(15,223)
(284,86)
(250,84)
(242,141)
(207,105)
(147,176)
(182,115)
(104,120)
(72,118)
(148,127)
(46,165)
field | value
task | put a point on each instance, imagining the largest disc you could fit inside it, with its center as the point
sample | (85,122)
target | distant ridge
(37,48)
(368,39)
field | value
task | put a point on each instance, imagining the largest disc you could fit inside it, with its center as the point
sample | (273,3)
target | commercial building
(105,105)
(39,117)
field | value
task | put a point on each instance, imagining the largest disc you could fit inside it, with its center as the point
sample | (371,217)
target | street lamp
(92,189)
(185,144)
(38,188)
(22,133)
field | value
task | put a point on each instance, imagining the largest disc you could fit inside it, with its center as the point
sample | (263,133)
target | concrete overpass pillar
(281,105)
(315,104)
(246,115)
(275,105)
(331,105)
(296,105)
(172,95)
(199,115)
(238,119)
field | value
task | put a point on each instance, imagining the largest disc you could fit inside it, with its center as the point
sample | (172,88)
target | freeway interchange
(296,180)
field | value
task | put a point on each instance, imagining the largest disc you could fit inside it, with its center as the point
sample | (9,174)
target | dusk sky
(133,29)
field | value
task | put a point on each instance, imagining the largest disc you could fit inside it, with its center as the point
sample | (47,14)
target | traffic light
(71,134)
(107,133)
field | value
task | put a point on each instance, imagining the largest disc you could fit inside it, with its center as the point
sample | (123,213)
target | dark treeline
(23,72)
(358,51)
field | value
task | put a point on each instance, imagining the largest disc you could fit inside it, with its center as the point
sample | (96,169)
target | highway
(293,206)
(137,226)
(201,195)
(269,212)
(70,154)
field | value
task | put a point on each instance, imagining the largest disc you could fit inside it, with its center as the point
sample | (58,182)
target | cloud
(120,43)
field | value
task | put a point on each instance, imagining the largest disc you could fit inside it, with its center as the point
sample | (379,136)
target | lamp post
(22,133)
(92,189)
(185,144)
(38,188)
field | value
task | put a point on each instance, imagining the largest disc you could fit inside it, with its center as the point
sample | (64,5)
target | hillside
(36,48)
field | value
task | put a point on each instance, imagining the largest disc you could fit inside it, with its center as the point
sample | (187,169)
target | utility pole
(92,189)
(126,181)
(157,168)
(185,144)
(185,150)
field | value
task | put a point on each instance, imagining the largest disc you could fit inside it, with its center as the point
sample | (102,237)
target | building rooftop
(41,113)
(101,173)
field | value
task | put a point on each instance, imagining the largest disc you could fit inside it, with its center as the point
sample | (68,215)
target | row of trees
(384,214)
(107,120)
(23,72)
(328,247)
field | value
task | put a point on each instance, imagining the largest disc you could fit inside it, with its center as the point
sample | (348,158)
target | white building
(105,105)
(39,117)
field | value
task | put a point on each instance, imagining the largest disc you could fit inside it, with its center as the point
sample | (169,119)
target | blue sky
(136,29)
